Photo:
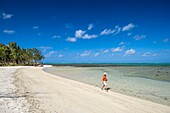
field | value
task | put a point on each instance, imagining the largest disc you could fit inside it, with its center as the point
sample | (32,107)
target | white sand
(40,92)
(10,102)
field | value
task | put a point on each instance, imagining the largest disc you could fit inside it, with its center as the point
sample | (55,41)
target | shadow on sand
(108,88)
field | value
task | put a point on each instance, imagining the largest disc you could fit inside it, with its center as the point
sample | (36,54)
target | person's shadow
(107,89)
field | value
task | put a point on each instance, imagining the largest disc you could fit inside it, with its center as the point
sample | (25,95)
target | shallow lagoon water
(147,82)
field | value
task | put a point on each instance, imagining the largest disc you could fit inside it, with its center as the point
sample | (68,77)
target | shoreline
(45,93)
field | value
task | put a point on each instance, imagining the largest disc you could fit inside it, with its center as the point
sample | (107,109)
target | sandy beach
(30,89)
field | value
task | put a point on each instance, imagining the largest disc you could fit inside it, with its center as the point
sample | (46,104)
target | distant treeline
(12,54)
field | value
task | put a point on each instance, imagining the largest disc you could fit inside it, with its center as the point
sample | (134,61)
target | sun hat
(105,73)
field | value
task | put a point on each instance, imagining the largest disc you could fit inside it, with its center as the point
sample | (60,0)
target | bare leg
(106,88)
(102,86)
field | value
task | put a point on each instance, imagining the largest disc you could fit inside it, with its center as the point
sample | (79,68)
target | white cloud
(128,27)
(35,27)
(60,56)
(124,43)
(128,34)
(49,54)
(86,36)
(139,37)
(148,54)
(86,53)
(6,16)
(107,32)
(44,48)
(90,26)
(96,54)
(118,49)
(9,31)
(130,52)
(71,39)
(55,36)
(118,29)
(114,31)
(106,51)
(79,33)
(165,40)
(82,34)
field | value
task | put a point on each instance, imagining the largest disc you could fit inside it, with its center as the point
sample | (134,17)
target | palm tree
(4,54)
(12,53)
(37,56)
(23,56)
(30,55)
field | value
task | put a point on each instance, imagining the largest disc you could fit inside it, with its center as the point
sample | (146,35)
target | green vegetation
(12,54)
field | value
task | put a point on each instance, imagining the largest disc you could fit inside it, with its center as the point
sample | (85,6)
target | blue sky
(89,31)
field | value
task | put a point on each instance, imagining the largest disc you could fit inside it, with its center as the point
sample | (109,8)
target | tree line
(12,54)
